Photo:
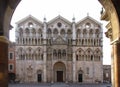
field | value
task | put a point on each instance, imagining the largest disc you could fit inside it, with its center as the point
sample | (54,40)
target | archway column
(3,61)
(115,64)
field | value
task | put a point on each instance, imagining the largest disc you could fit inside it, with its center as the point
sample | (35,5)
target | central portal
(59,76)
(59,72)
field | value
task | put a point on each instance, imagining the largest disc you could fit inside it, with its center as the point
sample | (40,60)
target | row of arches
(29,54)
(89,42)
(29,41)
(39,41)
(90,31)
(88,55)
(28,31)
(55,54)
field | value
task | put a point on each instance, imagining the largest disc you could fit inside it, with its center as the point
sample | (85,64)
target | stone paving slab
(58,85)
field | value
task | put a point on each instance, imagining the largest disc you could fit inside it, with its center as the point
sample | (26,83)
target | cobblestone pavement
(59,85)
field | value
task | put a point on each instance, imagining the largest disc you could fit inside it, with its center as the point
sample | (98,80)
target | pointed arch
(40,32)
(80,54)
(38,53)
(89,53)
(97,54)
(20,32)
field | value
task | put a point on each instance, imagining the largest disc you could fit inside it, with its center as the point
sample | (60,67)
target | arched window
(55,32)
(38,54)
(62,32)
(59,54)
(78,33)
(54,53)
(87,25)
(27,31)
(89,54)
(97,55)
(30,24)
(91,32)
(64,52)
(84,33)
(80,54)
(33,32)
(49,32)
(21,32)
(40,32)
(69,33)
(97,33)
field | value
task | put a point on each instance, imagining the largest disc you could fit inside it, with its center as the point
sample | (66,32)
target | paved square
(58,85)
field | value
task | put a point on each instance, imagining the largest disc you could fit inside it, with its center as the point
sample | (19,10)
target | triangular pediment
(88,19)
(29,18)
(59,19)
(59,40)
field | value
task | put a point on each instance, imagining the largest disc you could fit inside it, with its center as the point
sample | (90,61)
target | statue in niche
(29,73)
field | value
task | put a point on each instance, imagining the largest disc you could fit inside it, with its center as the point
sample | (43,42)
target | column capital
(116,41)
(4,39)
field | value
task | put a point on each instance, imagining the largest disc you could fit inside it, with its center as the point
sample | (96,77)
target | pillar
(3,61)
(116,64)
(74,68)
(44,74)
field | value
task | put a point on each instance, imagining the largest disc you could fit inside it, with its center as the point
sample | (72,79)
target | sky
(67,9)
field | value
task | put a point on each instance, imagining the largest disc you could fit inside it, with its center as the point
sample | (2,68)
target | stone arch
(62,32)
(80,54)
(55,32)
(78,33)
(59,72)
(113,12)
(27,31)
(38,53)
(97,54)
(89,53)
(40,32)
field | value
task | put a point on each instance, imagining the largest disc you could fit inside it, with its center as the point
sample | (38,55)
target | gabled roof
(90,18)
(61,18)
(27,18)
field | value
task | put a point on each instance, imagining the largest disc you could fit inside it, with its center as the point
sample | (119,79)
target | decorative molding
(109,32)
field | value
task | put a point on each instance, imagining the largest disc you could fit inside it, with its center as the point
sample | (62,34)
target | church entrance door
(39,78)
(59,76)
(80,78)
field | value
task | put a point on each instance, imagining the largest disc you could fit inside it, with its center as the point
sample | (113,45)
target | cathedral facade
(59,50)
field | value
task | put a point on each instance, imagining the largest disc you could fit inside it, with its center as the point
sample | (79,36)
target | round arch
(59,72)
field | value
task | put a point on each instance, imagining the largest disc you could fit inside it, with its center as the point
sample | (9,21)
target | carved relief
(108,5)
(109,32)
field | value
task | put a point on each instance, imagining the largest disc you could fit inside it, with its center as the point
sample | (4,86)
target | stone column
(44,74)
(3,62)
(44,43)
(116,64)
(52,75)
(74,68)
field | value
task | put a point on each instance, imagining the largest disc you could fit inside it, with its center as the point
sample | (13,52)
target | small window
(87,25)
(59,24)
(30,24)
(11,67)
(11,55)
